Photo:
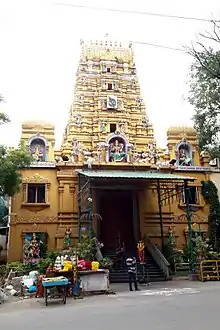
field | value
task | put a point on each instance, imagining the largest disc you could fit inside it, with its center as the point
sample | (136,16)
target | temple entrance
(116,210)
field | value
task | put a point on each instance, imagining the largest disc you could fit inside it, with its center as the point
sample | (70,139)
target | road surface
(166,306)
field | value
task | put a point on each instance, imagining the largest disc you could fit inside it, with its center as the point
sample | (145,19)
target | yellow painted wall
(62,212)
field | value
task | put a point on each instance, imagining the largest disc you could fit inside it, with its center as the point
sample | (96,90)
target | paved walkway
(162,306)
(121,291)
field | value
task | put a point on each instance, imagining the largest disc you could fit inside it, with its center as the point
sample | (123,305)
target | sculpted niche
(184,153)
(38,148)
(117,148)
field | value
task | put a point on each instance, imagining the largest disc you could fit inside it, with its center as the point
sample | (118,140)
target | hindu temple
(108,178)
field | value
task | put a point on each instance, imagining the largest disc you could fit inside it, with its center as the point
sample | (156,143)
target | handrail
(158,257)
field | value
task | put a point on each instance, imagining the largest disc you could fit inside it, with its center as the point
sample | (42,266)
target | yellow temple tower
(108,178)
(107,112)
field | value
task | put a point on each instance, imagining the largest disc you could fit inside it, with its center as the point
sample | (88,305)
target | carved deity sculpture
(184,157)
(34,247)
(116,85)
(26,250)
(152,153)
(84,80)
(101,151)
(103,84)
(122,127)
(135,157)
(89,162)
(145,122)
(138,102)
(76,149)
(143,157)
(103,127)
(133,82)
(37,153)
(117,152)
(99,155)
(104,67)
(78,120)
(103,104)
(67,238)
(89,158)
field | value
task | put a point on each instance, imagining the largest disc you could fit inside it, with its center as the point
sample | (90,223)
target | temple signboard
(193,168)
(43,164)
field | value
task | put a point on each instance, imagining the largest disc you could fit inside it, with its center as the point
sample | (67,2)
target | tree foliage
(3,116)
(11,161)
(210,194)
(204,94)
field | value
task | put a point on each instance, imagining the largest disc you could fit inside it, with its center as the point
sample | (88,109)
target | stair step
(152,271)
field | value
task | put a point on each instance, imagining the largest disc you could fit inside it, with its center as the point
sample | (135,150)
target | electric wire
(158,46)
(135,12)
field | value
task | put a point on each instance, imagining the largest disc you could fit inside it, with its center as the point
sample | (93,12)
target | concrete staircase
(152,272)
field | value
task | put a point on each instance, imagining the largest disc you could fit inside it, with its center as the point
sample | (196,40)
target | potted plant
(105,263)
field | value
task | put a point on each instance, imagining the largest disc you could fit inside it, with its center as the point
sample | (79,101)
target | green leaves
(204,93)
(4,118)
(210,192)
(11,161)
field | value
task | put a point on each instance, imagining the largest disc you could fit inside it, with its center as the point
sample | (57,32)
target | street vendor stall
(95,281)
(55,287)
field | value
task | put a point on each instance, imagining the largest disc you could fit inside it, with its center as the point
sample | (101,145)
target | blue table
(60,286)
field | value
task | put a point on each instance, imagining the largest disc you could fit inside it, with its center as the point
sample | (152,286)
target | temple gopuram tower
(107,119)
(108,178)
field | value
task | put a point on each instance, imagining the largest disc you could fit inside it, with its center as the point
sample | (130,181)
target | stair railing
(158,257)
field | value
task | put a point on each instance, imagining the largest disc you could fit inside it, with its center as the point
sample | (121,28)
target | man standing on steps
(132,272)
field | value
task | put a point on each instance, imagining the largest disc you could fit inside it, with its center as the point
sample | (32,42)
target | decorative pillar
(107,153)
(60,192)
(136,218)
(160,214)
(103,153)
(90,214)
(129,153)
(79,201)
(98,195)
(24,197)
(47,192)
(188,213)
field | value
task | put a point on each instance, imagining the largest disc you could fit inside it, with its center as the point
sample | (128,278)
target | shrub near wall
(210,194)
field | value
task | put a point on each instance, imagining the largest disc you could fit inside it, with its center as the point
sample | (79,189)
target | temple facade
(109,178)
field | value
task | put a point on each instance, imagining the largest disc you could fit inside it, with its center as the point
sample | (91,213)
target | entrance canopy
(167,186)
(138,175)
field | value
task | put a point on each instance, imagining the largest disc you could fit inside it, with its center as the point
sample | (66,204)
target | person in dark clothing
(120,256)
(132,272)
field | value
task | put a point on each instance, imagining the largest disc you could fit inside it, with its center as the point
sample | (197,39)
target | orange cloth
(40,288)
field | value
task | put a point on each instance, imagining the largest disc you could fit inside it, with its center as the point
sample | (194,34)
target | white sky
(39,53)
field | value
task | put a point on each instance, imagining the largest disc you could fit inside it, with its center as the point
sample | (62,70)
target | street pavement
(164,306)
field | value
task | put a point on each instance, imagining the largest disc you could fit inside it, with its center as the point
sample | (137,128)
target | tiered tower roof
(107,101)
